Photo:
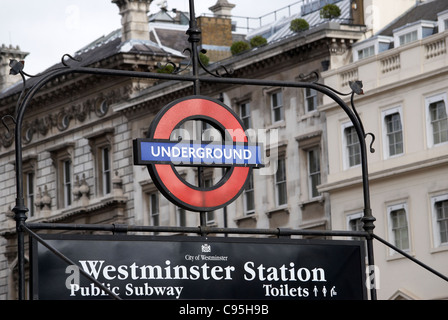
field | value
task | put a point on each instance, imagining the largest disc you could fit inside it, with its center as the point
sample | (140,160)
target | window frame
(379,44)
(281,107)
(352,217)
(345,146)
(181,217)
(249,191)
(106,173)
(29,165)
(247,116)
(370,50)
(429,128)
(98,142)
(385,133)
(437,243)
(210,217)
(62,155)
(408,37)
(281,182)
(310,174)
(154,217)
(312,95)
(418,28)
(67,181)
(391,233)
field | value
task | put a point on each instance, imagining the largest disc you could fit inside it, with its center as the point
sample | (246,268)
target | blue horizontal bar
(194,153)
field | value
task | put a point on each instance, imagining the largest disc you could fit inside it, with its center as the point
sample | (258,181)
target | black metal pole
(194,37)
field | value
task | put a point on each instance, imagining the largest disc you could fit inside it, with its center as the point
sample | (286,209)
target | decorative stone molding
(390,63)
(43,202)
(62,118)
(434,49)
(350,75)
(81,191)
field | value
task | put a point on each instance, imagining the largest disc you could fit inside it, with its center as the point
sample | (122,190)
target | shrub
(239,46)
(298,25)
(204,59)
(168,68)
(257,41)
(330,11)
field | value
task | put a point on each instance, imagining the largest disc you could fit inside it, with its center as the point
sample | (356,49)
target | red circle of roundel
(166,178)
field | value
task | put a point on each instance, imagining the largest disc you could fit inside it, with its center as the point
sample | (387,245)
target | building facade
(78,131)
(404,105)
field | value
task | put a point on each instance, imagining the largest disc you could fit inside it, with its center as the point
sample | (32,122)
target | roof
(101,49)
(427,10)
(310,12)
(169,35)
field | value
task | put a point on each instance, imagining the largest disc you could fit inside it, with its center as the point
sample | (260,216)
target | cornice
(380,175)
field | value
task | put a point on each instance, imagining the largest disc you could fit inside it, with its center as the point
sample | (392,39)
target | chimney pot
(134,19)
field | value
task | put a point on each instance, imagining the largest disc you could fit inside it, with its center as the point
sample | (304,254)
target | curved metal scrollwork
(176,69)
(63,61)
(227,72)
(356,87)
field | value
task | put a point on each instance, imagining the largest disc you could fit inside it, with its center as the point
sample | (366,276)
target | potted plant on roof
(257,41)
(239,46)
(330,11)
(298,25)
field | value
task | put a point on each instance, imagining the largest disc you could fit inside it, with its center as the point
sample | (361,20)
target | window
(440,219)
(314,172)
(29,191)
(366,52)
(62,160)
(29,178)
(408,37)
(398,227)
(352,147)
(67,182)
(277,106)
(310,99)
(354,223)
(413,31)
(248,199)
(280,183)
(442,21)
(210,215)
(437,120)
(393,132)
(181,217)
(101,146)
(105,170)
(154,208)
(245,114)
(370,47)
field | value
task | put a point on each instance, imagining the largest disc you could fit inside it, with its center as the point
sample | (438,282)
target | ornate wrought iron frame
(194,37)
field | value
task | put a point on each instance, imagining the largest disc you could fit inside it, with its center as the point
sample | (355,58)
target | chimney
(134,19)
(6,54)
(216,31)
(222,8)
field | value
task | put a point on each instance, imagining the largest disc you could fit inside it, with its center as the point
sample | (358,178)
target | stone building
(78,131)
(404,71)
(77,159)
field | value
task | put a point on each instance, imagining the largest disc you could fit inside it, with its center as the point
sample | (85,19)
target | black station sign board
(177,268)
(161,154)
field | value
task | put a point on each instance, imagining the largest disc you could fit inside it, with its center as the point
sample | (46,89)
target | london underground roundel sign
(162,154)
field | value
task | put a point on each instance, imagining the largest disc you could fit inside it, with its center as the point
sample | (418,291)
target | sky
(48,29)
